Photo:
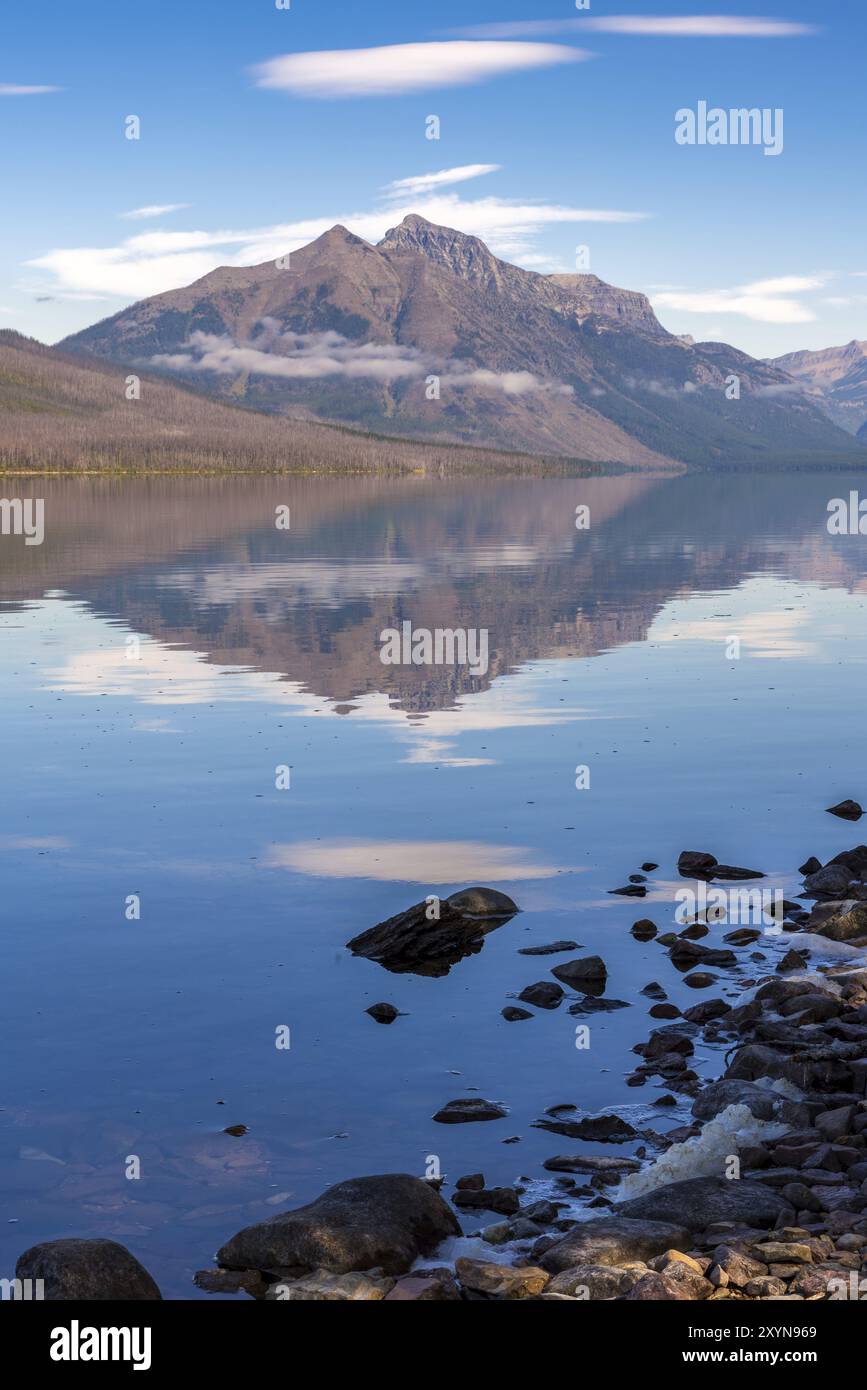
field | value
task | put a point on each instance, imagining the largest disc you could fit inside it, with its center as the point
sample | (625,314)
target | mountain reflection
(199,567)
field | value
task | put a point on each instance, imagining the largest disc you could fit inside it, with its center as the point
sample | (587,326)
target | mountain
(561,364)
(64,411)
(836,378)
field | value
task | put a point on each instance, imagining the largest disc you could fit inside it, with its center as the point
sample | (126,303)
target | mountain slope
(431,335)
(61,411)
(837,379)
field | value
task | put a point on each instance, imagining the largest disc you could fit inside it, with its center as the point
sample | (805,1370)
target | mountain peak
(464,255)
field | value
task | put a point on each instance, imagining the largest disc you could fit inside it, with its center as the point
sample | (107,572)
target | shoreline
(761,1196)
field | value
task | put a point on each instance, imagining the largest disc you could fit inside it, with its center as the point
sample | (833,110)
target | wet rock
(664,1011)
(685,954)
(366,1223)
(792,960)
(501,1281)
(644,929)
(631,890)
(732,873)
(411,942)
(87,1270)
(654,991)
(236,1131)
(700,979)
(612,1240)
(664,1041)
(513,1015)
(599,1129)
(502,1200)
(854,859)
(382,1013)
(324,1286)
(810,1008)
(425,1286)
(543,994)
(846,810)
(469,1110)
(579,974)
(231,1281)
(697,1202)
(707,1010)
(598,1164)
(648,868)
(553,949)
(830,882)
(592,1005)
(811,866)
(761,1101)
(743,936)
(811,1073)
(691,859)
(470,1182)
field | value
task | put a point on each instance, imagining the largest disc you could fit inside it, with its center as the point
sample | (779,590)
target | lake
(167,908)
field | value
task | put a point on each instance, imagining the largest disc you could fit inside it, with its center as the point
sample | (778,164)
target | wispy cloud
(407,67)
(152,210)
(764,301)
(425,183)
(684,26)
(152,262)
(10,89)
(308,356)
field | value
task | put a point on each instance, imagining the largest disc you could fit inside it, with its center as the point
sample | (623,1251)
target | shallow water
(148,768)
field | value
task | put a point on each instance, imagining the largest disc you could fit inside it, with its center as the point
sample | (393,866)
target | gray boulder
(382,1222)
(87,1270)
(613,1240)
(698,1202)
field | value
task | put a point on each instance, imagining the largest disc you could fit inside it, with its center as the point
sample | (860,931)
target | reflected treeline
(200,564)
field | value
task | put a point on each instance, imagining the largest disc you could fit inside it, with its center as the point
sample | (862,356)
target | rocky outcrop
(430,937)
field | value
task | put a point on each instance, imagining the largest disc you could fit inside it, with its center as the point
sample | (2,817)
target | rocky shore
(763,1195)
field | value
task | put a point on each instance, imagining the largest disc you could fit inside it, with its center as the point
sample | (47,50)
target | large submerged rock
(89,1270)
(414,942)
(382,1222)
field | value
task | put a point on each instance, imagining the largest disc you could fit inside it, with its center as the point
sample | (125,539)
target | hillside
(59,411)
(560,364)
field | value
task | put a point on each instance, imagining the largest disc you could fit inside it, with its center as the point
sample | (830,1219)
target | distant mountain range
(429,335)
(836,378)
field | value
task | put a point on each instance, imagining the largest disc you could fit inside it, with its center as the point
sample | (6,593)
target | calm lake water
(147,767)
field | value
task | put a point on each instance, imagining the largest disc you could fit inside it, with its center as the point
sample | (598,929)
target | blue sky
(252,149)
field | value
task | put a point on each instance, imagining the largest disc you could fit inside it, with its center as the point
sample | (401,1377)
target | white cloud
(152,262)
(408,67)
(152,210)
(764,301)
(9,89)
(308,356)
(687,26)
(425,183)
